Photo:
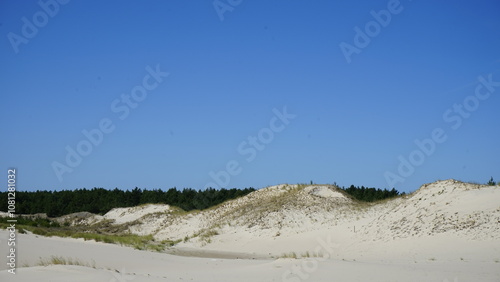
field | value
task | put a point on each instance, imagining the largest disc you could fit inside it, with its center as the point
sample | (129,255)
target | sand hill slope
(445,207)
(290,218)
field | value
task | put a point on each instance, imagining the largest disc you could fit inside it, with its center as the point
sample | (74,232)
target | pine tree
(491,182)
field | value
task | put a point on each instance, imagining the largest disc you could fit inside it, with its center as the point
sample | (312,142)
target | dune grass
(59,260)
(290,255)
(130,240)
(307,254)
(123,239)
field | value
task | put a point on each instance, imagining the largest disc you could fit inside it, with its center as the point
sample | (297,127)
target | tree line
(100,200)
(370,194)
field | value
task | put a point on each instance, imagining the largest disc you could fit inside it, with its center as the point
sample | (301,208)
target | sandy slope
(444,230)
(270,221)
(114,263)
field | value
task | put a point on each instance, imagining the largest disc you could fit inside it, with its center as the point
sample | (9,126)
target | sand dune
(444,231)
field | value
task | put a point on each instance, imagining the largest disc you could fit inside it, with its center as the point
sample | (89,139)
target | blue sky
(269,71)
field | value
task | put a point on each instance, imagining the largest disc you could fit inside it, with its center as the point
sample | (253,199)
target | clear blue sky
(353,114)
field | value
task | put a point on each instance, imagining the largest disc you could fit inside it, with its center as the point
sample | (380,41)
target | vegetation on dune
(100,201)
(33,222)
(49,228)
(491,182)
(366,194)
(59,260)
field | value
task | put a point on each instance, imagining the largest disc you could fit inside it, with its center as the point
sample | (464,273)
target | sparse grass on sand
(59,260)
(130,240)
(290,255)
(307,254)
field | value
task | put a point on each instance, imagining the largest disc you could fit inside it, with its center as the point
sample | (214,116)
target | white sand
(445,231)
(323,191)
(114,263)
(122,215)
